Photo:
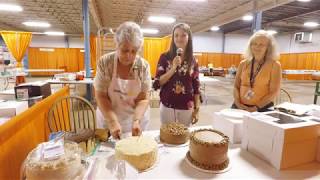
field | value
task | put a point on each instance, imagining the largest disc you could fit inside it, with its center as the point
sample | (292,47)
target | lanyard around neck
(254,74)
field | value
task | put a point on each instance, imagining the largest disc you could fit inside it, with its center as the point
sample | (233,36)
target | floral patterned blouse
(180,89)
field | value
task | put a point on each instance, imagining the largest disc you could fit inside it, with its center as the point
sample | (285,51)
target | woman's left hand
(136,129)
(195,116)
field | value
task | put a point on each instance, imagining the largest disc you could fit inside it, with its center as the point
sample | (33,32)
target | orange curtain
(300,61)
(24,132)
(17,43)
(70,59)
(93,53)
(218,59)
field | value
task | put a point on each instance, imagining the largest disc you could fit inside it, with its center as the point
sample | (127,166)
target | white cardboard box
(7,94)
(228,126)
(12,108)
(282,145)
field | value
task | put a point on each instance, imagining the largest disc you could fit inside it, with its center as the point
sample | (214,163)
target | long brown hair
(188,54)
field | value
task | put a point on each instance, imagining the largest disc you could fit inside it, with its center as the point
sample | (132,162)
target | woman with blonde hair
(258,77)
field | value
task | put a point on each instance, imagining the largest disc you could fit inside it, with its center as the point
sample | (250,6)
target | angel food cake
(174,133)
(67,166)
(208,149)
(139,151)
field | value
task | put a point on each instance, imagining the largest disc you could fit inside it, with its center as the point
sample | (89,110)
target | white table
(286,72)
(43,70)
(245,165)
(206,79)
(8,94)
(84,81)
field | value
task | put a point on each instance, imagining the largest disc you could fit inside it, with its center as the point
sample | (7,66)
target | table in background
(85,81)
(29,71)
(298,74)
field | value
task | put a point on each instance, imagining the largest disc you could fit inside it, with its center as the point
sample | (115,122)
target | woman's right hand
(115,129)
(176,62)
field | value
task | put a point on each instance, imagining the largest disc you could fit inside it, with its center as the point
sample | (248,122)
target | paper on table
(292,108)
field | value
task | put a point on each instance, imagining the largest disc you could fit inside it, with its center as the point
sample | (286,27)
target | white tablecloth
(84,81)
(205,79)
(298,71)
(172,165)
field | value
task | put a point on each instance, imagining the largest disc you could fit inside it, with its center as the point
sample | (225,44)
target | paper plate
(233,113)
(205,170)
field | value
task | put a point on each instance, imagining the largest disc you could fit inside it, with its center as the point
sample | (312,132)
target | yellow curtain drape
(166,41)
(17,43)
(152,49)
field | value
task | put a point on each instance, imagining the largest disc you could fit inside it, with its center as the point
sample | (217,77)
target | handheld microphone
(179,51)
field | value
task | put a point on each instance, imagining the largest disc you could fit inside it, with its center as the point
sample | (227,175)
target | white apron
(168,115)
(122,94)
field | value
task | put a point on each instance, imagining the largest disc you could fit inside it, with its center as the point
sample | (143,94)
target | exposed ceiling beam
(52,11)
(314,10)
(280,21)
(236,13)
(285,24)
(95,13)
(7,27)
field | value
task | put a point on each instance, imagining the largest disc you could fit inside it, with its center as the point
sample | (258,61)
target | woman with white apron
(123,105)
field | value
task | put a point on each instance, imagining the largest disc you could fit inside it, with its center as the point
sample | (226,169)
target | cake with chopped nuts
(174,133)
(208,149)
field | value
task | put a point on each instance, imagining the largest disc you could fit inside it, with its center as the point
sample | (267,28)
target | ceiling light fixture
(10,7)
(247,17)
(311,24)
(54,33)
(215,28)
(150,31)
(272,32)
(36,24)
(162,19)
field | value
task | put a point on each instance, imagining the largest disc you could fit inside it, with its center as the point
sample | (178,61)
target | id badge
(249,94)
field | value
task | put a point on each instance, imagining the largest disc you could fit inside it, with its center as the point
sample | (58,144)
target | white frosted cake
(139,151)
(67,166)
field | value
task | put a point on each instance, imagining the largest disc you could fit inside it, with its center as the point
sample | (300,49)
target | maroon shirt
(179,91)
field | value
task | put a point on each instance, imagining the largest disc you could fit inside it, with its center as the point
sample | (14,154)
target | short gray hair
(272,50)
(129,32)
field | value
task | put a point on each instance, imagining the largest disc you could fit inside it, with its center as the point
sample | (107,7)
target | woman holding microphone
(178,79)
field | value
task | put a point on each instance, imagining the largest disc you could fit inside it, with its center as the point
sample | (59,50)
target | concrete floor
(219,96)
